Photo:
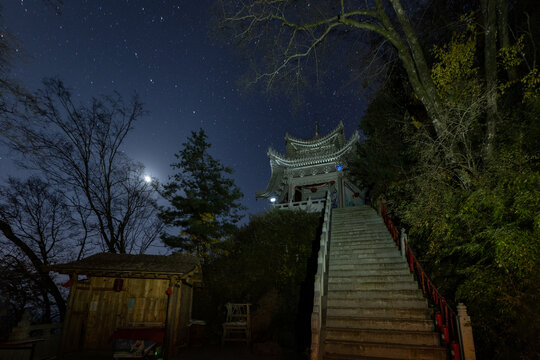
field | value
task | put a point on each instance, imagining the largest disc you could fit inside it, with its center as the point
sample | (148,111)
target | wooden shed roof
(107,264)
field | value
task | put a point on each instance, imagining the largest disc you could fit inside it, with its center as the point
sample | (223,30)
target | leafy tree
(474,228)
(204,204)
(78,149)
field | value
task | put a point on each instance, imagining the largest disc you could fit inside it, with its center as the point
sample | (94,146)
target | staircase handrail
(446,320)
(319,290)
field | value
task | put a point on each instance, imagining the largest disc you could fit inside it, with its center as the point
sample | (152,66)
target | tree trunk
(431,100)
(504,36)
(489,13)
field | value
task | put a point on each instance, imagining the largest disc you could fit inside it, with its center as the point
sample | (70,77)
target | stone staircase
(374,307)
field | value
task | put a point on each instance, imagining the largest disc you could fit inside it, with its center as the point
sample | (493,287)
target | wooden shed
(118,291)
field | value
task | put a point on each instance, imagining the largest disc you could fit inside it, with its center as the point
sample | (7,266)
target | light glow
(148,179)
(273,199)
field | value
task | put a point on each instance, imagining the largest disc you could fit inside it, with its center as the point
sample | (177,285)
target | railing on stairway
(319,293)
(446,320)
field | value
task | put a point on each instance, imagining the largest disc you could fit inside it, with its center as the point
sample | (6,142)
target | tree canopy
(78,148)
(203,201)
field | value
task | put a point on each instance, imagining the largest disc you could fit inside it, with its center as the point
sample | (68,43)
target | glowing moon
(147,178)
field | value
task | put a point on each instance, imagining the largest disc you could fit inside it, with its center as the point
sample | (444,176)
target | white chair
(237,326)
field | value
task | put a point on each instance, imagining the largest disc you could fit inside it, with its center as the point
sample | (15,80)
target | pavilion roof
(142,265)
(316,146)
(319,150)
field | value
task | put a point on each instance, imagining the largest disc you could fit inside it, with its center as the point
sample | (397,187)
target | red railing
(445,319)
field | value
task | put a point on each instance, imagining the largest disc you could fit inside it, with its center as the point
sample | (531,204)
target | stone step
(369,266)
(391,351)
(376,294)
(354,230)
(366,259)
(365,303)
(390,313)
(365,219)
(356,214)
(372,322)
(358,236)
(333,279)
(354,235)
(369,260)
(371,226)
(347,238)
(369,272)
(409,285)
(354,357)
(358,219)
(360,244)
(429,338)
(339,247)
(342,213)
(391,252)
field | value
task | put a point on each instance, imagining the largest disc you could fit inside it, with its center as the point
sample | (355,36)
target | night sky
(186,79)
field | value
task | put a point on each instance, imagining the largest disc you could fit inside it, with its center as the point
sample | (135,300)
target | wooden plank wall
(74,329)
(98,310)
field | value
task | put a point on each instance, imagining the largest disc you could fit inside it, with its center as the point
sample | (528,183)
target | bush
(274,253)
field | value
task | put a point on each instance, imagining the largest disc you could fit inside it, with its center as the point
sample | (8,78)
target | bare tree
(78,148)
(291,35)
(296,30)
(37,228)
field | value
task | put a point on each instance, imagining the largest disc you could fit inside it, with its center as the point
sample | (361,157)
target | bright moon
(147,178)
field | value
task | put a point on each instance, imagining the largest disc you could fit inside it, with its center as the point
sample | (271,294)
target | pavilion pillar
(291,191)
(341,187)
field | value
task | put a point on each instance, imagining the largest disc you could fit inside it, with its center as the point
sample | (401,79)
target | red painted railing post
(445,318)
(456,355)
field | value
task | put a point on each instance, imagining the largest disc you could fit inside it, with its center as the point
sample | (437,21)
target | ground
(209,352)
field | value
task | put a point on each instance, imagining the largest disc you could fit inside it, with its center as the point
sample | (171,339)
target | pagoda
(311,168)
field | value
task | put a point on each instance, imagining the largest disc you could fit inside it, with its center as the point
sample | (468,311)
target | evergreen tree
(204,204)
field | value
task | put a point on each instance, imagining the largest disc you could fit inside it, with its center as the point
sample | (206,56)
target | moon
(147,178)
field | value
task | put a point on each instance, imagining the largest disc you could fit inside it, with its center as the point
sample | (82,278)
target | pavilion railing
(307,205)
(446,320)
(319,291)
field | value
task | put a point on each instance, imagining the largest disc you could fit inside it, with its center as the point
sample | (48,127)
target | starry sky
(187,79)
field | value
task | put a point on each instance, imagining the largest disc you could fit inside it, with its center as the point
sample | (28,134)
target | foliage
(454,71)
(273,252)
(514,56)
(487,240)
(473,222)
(203,200)
(381,161)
